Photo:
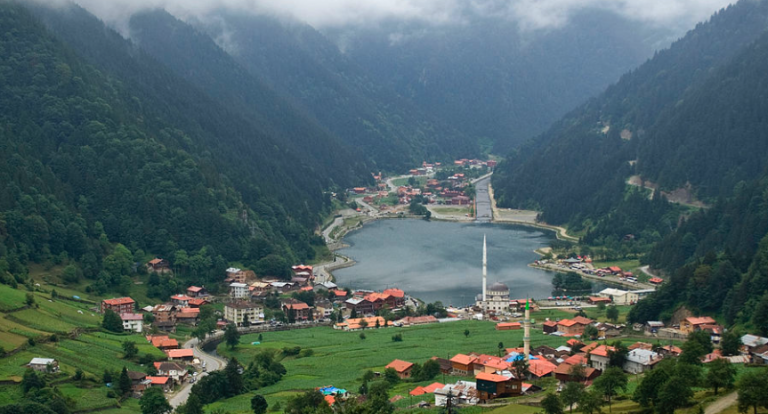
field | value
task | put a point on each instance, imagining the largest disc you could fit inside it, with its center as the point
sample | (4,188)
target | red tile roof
(197,301)
(340,293)
(399,365)
(297,305)
(155,261)
(700,320)
(590,347)
(508,325)
(394,292)
(540,367)
(180,353)
(580,358)
(550,323)
(602,350)
(417,391)
(159,380)
(160,342)
(463,359)
(194,289)
(330,399)
(181,297)
(574,342)
(433,386)
(491,377)
(119,301)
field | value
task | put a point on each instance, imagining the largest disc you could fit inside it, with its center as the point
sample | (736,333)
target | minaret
(485,267)
(527,332)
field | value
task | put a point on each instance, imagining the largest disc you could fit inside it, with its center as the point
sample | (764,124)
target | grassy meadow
(341,358)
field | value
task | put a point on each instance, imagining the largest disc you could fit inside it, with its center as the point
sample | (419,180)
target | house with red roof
(158,265)
(491,386)
(573,327)
(463,364)
(164,383)
(195,291)
(693,324)
(118,305)
(181,300)
(197,302)
(185,354)
(301,310)
(564,372)
(541,367)
(599,358)
(508,326)
(163,342)
(489,364)
(403,368)
(549,327)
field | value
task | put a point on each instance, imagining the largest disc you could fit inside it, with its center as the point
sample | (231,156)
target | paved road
(483,200)
(723,403)
(212,363)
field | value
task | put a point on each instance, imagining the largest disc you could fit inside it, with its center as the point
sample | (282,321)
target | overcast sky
(531,14)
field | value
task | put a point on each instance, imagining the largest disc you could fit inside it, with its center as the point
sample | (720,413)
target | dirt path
(721,404)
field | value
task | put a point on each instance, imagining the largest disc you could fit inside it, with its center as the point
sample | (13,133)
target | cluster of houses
(182,309)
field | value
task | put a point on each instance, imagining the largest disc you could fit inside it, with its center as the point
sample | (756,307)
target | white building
(640,360)
(132,322)
(619,297)
(238,290)
(237,312)
(496,298)
(44,364)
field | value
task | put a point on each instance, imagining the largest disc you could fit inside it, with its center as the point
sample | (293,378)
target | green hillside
(576,172)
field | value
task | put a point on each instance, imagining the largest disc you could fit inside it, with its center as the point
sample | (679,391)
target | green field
(11,298)
(340,358)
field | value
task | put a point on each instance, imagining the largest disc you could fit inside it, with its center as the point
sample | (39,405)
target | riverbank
(525,218)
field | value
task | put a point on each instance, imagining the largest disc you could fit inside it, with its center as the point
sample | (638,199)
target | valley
(383,207)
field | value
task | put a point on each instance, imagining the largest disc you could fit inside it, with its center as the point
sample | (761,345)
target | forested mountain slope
(494,80)
(302,63)
(717,258)
(134,155)
(577,170)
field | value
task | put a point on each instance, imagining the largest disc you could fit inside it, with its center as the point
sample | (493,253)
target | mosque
(496,297)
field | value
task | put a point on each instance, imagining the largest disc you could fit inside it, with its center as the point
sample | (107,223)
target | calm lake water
(443,260)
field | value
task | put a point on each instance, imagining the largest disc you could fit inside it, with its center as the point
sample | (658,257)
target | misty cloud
(529,14)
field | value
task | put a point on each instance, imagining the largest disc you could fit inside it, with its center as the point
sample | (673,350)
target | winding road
(212,363)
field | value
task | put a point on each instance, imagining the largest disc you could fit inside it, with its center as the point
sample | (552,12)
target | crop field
(340,358)
(41,320)
(11,298)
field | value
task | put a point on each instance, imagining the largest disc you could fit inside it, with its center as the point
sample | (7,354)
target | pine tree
(124,383)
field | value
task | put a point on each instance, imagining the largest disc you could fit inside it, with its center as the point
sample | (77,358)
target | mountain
(648,124)
(301,63)
(716,259)
(494,80)
(109,157)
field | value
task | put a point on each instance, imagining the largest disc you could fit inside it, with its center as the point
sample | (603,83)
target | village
(580,350)
(446,190)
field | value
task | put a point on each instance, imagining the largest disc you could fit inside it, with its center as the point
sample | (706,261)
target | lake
(443,260)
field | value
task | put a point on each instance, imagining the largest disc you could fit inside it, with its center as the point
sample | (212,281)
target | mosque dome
(498,287)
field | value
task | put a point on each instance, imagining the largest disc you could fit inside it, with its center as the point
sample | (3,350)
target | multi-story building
(118,305)
(240,311)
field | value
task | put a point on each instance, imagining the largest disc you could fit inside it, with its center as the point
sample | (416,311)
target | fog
(528,14)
